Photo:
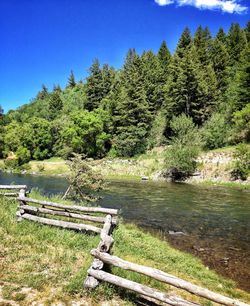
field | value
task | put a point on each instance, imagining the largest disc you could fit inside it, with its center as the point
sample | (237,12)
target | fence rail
(41,214)
(161,276)
(13,193)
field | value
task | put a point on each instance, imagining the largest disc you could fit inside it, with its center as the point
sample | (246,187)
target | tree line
(127,111)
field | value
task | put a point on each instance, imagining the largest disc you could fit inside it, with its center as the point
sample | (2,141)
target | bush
(11,163)
(23,156)
(242,124)
(241,168)
(180,158)
(215,133)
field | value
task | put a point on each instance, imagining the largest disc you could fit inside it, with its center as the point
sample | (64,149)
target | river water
(212,223)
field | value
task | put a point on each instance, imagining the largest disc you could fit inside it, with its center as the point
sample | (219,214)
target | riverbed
(212,223)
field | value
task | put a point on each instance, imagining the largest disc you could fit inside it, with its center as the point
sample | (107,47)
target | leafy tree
(23,156)
(86,135)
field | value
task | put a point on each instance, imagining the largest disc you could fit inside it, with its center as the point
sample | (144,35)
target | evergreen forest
(125,112)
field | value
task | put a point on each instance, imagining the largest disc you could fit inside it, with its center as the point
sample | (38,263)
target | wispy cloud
(227,6)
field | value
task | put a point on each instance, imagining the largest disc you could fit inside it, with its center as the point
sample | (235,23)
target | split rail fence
(37,210)
(12,190)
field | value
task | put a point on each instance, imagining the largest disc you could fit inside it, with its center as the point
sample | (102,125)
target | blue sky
(41,41)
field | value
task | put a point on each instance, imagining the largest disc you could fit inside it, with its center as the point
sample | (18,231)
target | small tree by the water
(180,157)
(83,179)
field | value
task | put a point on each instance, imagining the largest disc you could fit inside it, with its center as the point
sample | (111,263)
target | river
(212,223)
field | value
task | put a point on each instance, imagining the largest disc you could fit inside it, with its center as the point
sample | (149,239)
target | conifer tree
(55,104)
(242,81)
(132,117)
(94,86)
(220,62)
(184,42)
(57,88)
(43,94)
(221,36)
(236,43)
(71,80)
(154,80)
(247,31)
(202,42)
(164,57)
(108,75)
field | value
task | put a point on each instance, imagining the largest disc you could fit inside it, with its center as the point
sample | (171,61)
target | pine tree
(220,61)
(221,36)
(242,80)
(132,117)
(57,88)
(108,75)
(154,81)
(55,104)
(94,86)
(202,42)
(247,31)
(191,89)
(184,42)
(71,80)
(236,43)
(164,57)
(43,94)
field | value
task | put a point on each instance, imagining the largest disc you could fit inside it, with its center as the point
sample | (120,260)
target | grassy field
(45,264)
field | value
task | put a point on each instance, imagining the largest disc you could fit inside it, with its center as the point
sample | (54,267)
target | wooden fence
(12,190)
(158,275)
(38,211)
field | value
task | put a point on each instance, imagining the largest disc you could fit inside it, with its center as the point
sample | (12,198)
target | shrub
(180,158)
(242,124)
(23,156)
(215,133)
(241,168)
(11,163)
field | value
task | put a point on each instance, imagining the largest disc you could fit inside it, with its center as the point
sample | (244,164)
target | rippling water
(210,222)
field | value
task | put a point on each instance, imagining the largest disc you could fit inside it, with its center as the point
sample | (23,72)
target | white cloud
(164,2)
(227,6)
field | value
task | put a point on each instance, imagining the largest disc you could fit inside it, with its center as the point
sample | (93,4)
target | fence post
(20,212)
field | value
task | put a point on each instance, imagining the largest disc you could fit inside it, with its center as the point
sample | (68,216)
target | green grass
(54,260)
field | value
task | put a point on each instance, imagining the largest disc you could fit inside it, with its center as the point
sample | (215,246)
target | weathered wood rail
(15,189)
(158,275)
(40,212)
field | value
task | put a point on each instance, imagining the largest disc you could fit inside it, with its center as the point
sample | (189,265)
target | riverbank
(214,168)
(45,264)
